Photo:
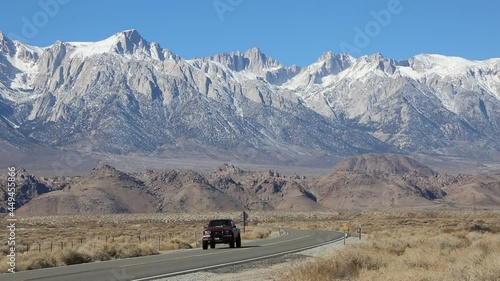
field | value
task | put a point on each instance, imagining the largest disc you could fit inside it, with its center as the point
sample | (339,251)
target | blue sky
(291,31)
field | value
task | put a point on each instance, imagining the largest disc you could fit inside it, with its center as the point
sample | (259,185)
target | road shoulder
(268,269)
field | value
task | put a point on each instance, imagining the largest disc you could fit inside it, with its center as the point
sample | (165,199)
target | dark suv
(221,231)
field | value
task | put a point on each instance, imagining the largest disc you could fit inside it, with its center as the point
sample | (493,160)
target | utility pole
(474,202)
(244,217)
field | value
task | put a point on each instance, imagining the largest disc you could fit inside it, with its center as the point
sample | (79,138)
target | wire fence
(27,244)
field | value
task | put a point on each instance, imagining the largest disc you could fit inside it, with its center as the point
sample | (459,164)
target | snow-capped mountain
(253,64)
(125,95)
(430,103)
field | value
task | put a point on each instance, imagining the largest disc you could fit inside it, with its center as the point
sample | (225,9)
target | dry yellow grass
(427,246)
(402,245)
(55,241)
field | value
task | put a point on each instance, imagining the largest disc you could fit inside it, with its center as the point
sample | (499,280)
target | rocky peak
(334,63)
(3,38)
(227,170)
(26,54)
(104,168)
(327,64)
(132,35)
(105,171)
(253,60)
(259,61)
(127,42)
(375,61)
(53,57)
(6,45)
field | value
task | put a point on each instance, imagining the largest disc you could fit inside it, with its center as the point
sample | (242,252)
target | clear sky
(291,31)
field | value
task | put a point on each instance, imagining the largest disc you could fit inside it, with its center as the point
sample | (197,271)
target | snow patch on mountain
(128,43)
(11,123)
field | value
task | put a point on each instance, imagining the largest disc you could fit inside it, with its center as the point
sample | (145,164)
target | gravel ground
(264,270)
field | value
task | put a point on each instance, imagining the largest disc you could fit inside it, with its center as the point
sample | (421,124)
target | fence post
(159,239)
(39,248)
(195,240)
(50,246)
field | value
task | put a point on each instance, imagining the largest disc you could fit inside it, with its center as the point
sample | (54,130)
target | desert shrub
(361,258)
(40,261)
(69,257)
(444,241)
(29,261)
(131,250)
(488,270)
(99,251)
(176,244)
(396,247)
(418,259)
(346,266)
(319,269)
(128,250)
(148,249)
(478,228)
(4,250)
(257,233)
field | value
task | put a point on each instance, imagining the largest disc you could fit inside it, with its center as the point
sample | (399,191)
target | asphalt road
(179,262)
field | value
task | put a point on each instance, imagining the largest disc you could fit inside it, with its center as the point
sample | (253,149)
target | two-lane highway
(180,262)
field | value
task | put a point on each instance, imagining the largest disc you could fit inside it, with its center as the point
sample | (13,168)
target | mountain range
(368,181)
(126,95)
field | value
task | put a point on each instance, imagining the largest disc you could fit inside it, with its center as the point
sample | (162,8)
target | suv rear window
(221,223)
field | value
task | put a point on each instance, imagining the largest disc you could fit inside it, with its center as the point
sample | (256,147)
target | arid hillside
(104,190)
(378,181)
(371,181)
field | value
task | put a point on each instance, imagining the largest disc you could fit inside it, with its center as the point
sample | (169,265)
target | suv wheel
(204,244)
(212,245)
(231,243)
(238,242)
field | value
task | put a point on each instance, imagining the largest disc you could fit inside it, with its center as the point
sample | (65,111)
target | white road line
(235,262)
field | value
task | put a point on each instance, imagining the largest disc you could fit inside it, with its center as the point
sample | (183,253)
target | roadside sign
(345,227)
(244,216)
